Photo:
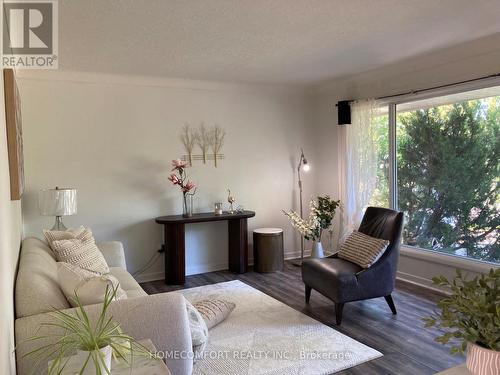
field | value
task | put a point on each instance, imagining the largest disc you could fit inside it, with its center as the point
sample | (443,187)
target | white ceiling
(272,41)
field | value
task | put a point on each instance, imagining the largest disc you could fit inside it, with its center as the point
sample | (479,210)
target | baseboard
(190,270)
(296,254)
(420,281)
(204,268)
(150,276)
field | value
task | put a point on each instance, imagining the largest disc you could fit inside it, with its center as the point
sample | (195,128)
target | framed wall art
(13,122)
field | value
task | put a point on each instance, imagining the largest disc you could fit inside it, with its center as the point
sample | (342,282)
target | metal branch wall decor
(209,141)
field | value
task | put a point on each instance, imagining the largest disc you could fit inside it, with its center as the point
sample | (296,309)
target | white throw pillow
(199,330)
(90,286)
(362,249)
(77,248)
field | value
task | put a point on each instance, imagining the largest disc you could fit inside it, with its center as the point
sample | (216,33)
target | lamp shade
(57,202)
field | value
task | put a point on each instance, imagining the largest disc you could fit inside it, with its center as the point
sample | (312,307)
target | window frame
(392,103)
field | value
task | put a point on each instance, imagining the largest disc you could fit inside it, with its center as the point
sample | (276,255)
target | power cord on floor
(148,264)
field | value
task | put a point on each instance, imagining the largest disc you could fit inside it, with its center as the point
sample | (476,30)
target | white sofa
(160,317)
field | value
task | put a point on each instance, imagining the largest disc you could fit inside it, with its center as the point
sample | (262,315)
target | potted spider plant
(95,343)
(471,315)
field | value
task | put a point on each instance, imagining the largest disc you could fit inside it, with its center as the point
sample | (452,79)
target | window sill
(446,259)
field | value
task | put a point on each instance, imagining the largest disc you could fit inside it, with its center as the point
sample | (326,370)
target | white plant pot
(482,361)
(317,250)
(105,365)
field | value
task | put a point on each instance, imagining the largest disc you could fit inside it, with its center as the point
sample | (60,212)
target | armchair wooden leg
(390,302)
(338,312)
(308,293)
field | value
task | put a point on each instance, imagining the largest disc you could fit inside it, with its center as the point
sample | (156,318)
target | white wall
(113,138)
(470,60)
(10,237)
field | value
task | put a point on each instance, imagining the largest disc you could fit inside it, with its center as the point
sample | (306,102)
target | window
(447,154)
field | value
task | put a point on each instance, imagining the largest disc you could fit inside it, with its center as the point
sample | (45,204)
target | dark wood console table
(174,246)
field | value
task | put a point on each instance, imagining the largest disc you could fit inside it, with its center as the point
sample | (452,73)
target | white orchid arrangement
(308,227)
(321,213)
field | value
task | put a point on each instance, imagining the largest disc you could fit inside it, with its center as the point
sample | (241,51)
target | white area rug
(265,336)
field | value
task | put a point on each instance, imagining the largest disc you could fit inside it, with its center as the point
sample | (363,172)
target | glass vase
(187,205)
(218,208)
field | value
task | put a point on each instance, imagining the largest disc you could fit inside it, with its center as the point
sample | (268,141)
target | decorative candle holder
(218,208)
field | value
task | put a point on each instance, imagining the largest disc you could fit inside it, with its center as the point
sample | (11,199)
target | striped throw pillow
(214,311)
(362,249)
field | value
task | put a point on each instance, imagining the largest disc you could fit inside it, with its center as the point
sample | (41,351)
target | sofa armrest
(113,253)
(159,317)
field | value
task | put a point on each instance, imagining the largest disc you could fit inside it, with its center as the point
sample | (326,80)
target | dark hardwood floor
(408,348)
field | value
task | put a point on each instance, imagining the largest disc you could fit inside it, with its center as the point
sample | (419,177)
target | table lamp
(57,202)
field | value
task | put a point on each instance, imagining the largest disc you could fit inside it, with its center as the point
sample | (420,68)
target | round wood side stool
(268,253)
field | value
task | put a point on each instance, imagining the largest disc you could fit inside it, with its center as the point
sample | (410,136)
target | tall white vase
(317,250)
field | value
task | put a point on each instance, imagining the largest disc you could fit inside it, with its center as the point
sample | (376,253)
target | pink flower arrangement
(189,186)
(178,164)
(180,178)
(174,179)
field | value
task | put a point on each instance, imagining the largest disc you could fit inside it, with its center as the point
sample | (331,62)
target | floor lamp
(303,165)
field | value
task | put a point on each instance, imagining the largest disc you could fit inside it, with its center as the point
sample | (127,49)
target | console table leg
(238,245)
(175,270)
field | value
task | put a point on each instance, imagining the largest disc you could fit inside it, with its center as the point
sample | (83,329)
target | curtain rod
(439,87)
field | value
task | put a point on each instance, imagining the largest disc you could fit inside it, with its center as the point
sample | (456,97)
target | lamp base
(58,225)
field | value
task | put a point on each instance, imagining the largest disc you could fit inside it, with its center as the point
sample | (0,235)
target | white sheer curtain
(357,164)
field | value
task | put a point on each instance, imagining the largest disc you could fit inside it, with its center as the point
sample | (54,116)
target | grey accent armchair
(343,281)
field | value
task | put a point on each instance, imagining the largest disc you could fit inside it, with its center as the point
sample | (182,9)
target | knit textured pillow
(81,251)
(214,311)
(362,249)
(56,235)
